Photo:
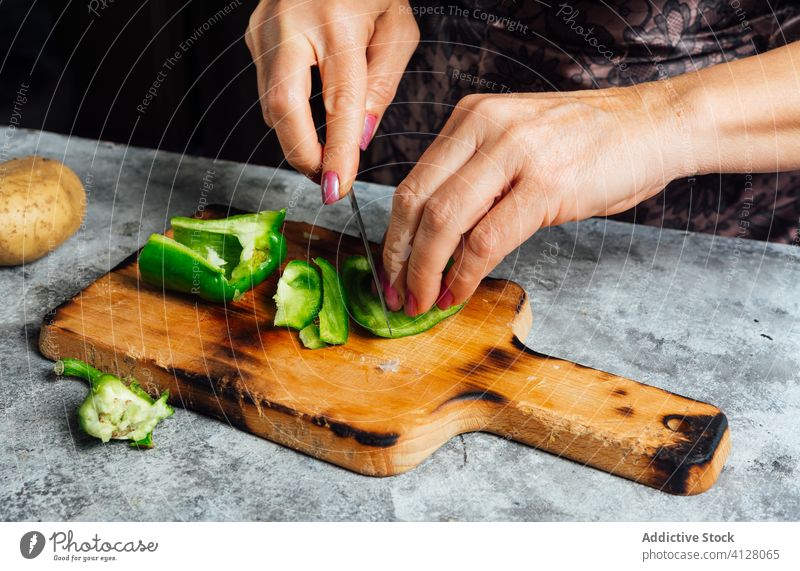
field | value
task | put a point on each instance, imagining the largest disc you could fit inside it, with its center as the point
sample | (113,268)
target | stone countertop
(715,319)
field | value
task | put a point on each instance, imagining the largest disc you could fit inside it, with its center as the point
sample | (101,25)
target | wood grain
(469,373)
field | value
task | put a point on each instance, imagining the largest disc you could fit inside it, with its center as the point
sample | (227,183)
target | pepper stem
(77,368)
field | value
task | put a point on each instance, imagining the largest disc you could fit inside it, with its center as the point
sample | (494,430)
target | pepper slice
(298,296)
(218,260)
(365,307)
(333,320)
(113,409)
(311,339)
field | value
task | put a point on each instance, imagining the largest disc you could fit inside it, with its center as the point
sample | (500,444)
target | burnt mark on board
(475,395)
(365,437)
(625,411)
(699,439)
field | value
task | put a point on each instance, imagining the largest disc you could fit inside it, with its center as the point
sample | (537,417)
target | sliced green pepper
(311,339)
(218,260)
(333,320)
(298,296)
(113,409)
(365,307)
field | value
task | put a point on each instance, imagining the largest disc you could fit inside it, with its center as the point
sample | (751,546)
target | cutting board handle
(640,432)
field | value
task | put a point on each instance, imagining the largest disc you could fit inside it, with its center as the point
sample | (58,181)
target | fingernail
(411,304)
(369,130)
(330,187)
(445,300)
(392,297)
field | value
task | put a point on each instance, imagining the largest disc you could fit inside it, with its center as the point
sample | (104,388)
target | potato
(42,203)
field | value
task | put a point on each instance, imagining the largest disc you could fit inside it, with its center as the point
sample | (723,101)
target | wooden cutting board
(378,406)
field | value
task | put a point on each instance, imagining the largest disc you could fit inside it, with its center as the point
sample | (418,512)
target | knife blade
(370,260)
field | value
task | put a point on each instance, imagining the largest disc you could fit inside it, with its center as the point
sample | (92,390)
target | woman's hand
(361,47)
(506,165)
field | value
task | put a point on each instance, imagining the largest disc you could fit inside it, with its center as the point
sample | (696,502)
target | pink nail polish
(390,295)
(369,130)
(392,298)
(445,300)
(411,304)
(330,187)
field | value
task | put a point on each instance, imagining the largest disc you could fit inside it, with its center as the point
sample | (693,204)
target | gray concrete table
(714,319)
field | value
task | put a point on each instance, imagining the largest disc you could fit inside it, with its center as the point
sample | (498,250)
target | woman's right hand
(361,47)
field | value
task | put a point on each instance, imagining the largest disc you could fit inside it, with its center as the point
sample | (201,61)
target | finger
(451,149)
(289,111)
(393,304)
(453,210)
(512,221)
(344,87)
(393,42)
(284,86)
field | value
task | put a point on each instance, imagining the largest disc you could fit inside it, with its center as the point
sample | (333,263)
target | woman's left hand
(506,165)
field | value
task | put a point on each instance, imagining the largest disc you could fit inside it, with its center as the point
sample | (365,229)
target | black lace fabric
(505,46)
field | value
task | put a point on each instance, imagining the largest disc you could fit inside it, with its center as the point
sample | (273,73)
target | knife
(363,232)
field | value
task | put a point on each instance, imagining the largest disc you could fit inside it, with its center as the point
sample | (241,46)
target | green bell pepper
(309,335)
(298,296)
(113,409)
(365,307)
(218,260)
(333,319)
